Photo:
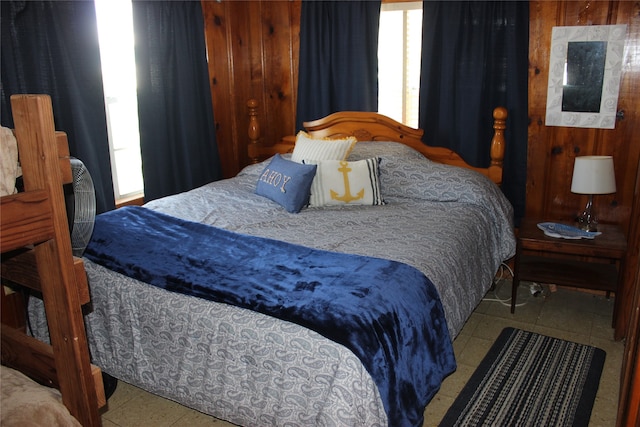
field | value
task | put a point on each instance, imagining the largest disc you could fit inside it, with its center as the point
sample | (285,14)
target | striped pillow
(338,182)
(308,148)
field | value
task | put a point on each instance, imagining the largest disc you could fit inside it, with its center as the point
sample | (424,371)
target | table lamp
(592,175)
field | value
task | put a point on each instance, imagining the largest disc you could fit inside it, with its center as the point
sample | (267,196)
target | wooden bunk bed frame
(368,126)
(36,253)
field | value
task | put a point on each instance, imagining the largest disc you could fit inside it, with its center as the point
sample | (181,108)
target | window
(399,59)
(115,31)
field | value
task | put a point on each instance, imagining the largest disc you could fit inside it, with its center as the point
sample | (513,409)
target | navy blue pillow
(287,183)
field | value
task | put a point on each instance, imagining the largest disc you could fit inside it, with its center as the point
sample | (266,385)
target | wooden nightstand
(584,263)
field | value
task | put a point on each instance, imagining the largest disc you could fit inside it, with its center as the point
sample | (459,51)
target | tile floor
(566,314)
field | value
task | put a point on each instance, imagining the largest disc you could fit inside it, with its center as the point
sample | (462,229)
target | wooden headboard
(366,126)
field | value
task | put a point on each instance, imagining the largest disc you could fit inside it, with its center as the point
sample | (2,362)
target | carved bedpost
(253,149)
(497,143)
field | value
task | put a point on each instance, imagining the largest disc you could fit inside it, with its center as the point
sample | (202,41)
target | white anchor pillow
(339,182)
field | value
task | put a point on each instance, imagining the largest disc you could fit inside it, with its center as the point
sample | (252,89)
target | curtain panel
(475,58)
(177,132)
(338,58)
(52,47)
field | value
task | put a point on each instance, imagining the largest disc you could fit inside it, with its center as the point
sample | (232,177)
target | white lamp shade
(593,175)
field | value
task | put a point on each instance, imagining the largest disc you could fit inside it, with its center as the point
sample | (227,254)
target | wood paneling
(552,150)
(629,407)
(252,49)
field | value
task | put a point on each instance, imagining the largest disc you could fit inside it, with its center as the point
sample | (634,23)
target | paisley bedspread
(387,313)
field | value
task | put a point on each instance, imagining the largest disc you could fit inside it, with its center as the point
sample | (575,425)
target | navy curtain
(338,58)
(475,58)
(51,47)
(177,133)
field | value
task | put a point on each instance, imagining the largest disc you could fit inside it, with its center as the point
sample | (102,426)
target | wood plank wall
(552,150)
(252,50)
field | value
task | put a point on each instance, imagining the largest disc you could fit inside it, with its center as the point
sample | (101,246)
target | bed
(257,358)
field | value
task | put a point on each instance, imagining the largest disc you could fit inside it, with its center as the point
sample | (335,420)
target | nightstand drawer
(566,272)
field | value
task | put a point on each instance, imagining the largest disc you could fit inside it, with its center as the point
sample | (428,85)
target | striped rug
(527,379)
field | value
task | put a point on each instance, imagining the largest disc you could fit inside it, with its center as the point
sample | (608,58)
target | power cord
(502,276)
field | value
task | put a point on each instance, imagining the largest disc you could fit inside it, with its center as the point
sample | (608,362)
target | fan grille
(85,207)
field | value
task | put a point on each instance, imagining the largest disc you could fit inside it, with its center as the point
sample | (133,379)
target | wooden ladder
(36,253)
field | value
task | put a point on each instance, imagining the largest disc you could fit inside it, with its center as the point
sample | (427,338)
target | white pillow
(308,148)
(338,182)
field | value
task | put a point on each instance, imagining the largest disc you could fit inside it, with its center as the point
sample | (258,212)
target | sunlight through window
(115,31)
(399,61)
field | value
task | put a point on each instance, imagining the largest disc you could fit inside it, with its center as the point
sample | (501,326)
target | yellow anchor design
(347,197)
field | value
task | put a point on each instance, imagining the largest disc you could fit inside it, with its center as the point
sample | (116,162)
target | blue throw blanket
(387,313)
